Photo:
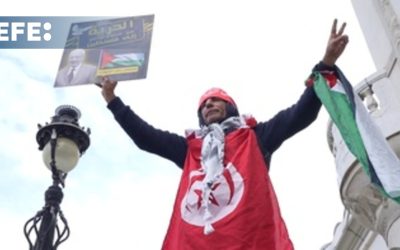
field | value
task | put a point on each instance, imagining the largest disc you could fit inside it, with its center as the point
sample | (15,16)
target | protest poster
(116,48)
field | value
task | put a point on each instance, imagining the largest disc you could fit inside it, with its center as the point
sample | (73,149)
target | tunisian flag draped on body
(244,211)
(360,133)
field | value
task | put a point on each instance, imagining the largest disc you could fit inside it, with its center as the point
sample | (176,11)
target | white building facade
(371,221)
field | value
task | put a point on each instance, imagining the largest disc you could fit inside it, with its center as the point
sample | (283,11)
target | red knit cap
(216,92)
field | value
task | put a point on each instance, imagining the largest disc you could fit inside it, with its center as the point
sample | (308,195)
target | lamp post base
(47,217)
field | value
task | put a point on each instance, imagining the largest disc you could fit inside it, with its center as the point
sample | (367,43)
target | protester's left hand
(336,44)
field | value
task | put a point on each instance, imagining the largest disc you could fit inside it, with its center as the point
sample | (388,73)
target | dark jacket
(271,134)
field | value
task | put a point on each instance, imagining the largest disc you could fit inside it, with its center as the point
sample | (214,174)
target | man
(77,71)
(225,198)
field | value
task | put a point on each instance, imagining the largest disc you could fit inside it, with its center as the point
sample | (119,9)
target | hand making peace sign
(336,44)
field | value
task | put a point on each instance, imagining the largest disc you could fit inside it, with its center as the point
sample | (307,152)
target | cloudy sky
(119,197)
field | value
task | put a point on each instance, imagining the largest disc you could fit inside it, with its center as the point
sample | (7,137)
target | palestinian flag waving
(361,135)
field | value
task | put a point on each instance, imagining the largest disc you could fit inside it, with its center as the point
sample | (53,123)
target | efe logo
(28,31)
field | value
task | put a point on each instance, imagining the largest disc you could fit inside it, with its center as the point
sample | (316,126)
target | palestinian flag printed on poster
(113,63)
(360,133)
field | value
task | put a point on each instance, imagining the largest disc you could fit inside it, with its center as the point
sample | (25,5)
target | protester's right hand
(108,88)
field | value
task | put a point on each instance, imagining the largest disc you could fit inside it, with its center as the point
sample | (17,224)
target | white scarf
(212,160)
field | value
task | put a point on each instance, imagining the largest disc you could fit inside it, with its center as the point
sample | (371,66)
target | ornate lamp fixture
(62,141)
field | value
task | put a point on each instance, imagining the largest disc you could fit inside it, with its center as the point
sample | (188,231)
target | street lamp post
(62,141)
